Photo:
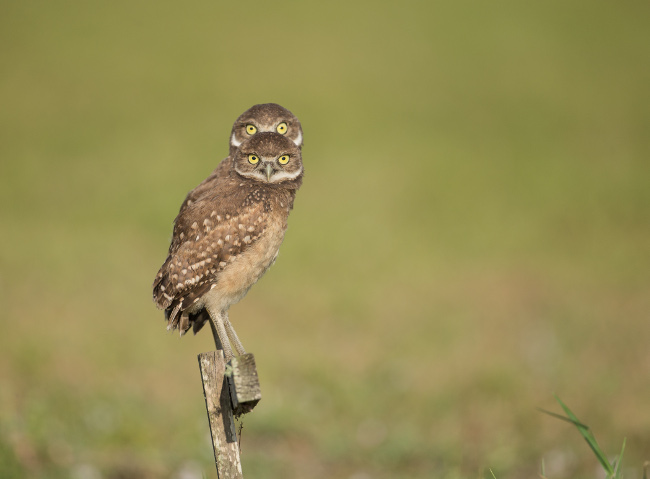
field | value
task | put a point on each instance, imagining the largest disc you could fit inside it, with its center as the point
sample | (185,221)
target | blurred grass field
(472,236)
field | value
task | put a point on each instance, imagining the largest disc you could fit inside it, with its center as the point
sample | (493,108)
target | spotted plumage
(226,240)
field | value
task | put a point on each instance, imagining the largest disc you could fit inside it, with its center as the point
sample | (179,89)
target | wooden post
(222,422)
(244,385)
(224,384)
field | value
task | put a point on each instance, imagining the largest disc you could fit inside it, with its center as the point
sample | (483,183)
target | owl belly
(236,279)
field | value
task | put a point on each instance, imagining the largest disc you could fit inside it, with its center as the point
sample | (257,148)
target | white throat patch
(278,176)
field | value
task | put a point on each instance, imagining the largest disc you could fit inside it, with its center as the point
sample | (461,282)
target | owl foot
(220,335)
(232,336)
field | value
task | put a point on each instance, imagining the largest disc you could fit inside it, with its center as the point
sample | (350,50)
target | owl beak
(269,171)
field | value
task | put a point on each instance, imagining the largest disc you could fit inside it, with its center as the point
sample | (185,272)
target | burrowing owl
(257,119)
(226,240)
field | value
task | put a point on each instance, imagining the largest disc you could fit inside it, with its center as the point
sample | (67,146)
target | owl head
(270,158)
(266,117)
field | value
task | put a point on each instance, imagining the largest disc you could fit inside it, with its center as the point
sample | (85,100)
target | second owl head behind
(266,117)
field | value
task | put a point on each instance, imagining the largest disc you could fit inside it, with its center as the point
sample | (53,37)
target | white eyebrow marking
(233,141)
(298,140)
(283,175)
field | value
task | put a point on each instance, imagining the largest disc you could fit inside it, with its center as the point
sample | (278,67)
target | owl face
(269,157)
(267,117)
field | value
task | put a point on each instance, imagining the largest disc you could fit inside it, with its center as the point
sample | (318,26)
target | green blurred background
(472,236)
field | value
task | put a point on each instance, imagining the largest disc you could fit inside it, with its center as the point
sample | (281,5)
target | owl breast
(236,279)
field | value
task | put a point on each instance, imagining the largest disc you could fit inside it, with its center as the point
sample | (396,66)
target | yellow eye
(283,160)
(282,128)
(253,159)
(251,130)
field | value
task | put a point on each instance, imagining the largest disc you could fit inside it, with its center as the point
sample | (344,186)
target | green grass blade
(617,470)
(542,473)
(563,418)
(589,437)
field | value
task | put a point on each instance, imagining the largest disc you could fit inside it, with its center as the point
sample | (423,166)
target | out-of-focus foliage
(472,235)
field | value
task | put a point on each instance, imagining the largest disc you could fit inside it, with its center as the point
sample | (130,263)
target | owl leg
(220,334)
(232,335)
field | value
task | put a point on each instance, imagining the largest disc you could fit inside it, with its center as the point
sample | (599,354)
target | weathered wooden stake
(224,385)
(244,385)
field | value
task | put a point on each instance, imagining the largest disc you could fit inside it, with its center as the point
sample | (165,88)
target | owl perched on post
(265,117)
(226,240)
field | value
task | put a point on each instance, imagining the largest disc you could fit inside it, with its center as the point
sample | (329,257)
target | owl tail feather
(172,317)
(182,320)
(198,320)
